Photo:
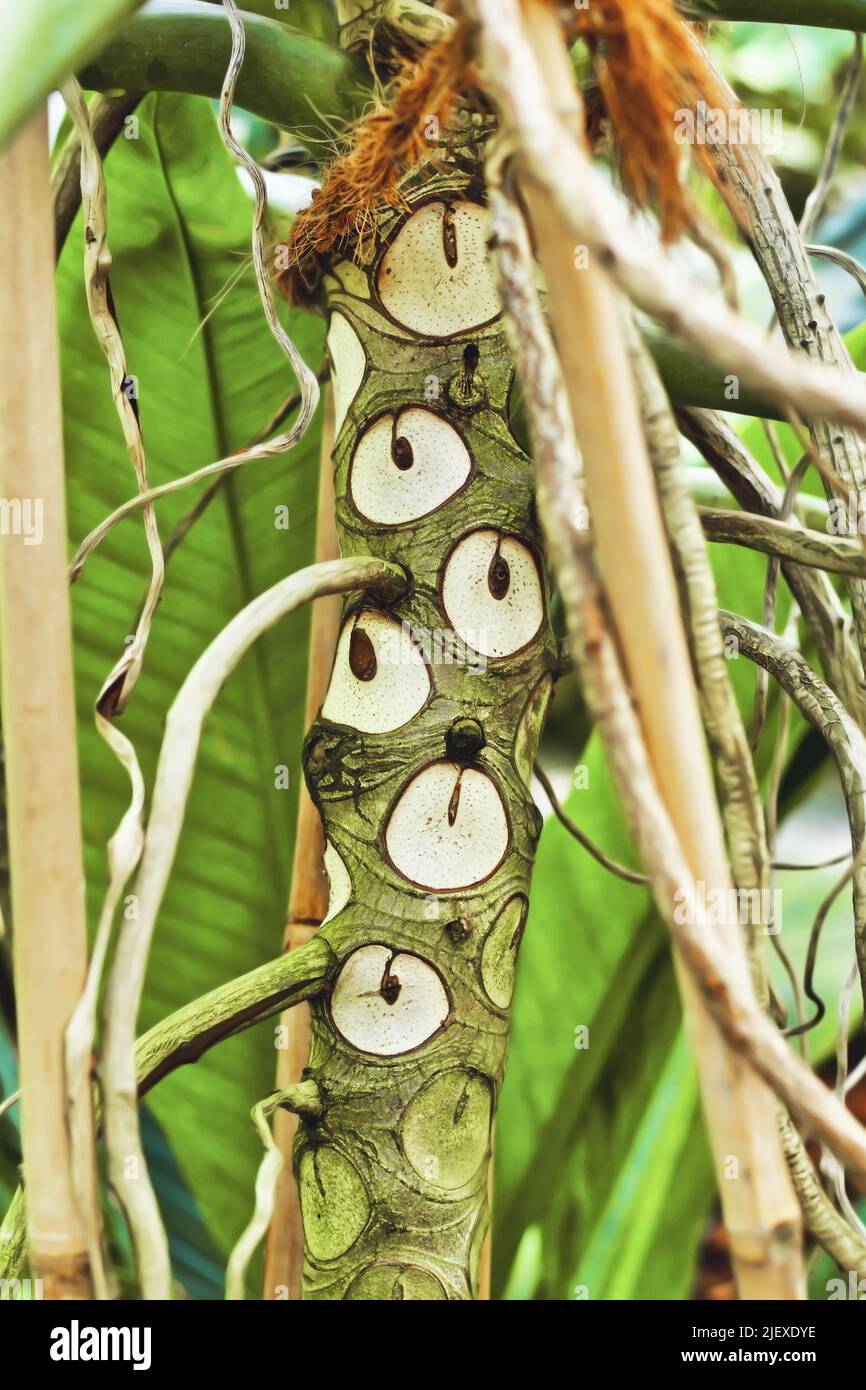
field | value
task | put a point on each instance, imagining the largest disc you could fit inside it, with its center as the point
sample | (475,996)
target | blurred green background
(603,1185)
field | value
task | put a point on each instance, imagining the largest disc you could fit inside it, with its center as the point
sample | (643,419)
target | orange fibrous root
(649,68)
(381,148)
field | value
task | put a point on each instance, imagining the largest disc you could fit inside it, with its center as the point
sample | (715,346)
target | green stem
(838,554)
(307,16)
(422,780)
(829,14)
(189,1032)
(690,380)
(288,78)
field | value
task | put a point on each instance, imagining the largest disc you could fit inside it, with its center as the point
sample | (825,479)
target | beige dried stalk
(727,993)
(308,905)
(743,815)
(50,952)
(528,70)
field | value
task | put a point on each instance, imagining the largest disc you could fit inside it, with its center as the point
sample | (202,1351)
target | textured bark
(427,905)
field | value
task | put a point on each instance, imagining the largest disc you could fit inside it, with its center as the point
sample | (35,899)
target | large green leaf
(599,1147)
(601,1154)
(43,41)
(10,1126)
(603,1179)
(209,376)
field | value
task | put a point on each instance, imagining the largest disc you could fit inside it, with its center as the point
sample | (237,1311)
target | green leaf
(42,42)
(603,1178)
(209,377)
(10,1124)
(599,1143)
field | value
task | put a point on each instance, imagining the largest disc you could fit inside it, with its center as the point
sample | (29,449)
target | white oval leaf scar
(387,1002)
(435,278)
(380,679)
(492,593)
(339,883)
(406,465)
(349,365)
(448,828)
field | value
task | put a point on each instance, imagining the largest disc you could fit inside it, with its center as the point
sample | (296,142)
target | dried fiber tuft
(380,149)
(649,68)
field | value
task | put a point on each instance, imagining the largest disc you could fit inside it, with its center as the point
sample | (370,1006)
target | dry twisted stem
(828,623)
(221,469)
(823,708)
(826,1224)
(753,193)
(747,840)
(303,1098)
(785,539)
(108,115)
(741,805)
(124,847)
(97,259)
(123,995)
(749,1219)
(306,378)
(850,85)
(612,866)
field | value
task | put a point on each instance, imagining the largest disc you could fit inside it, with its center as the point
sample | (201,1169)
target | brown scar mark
(499,573)
(454,803)
(362,656)
(402,453)
(390,986)
(449,236)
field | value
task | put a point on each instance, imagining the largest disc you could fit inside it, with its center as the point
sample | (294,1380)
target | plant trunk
(421,758)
